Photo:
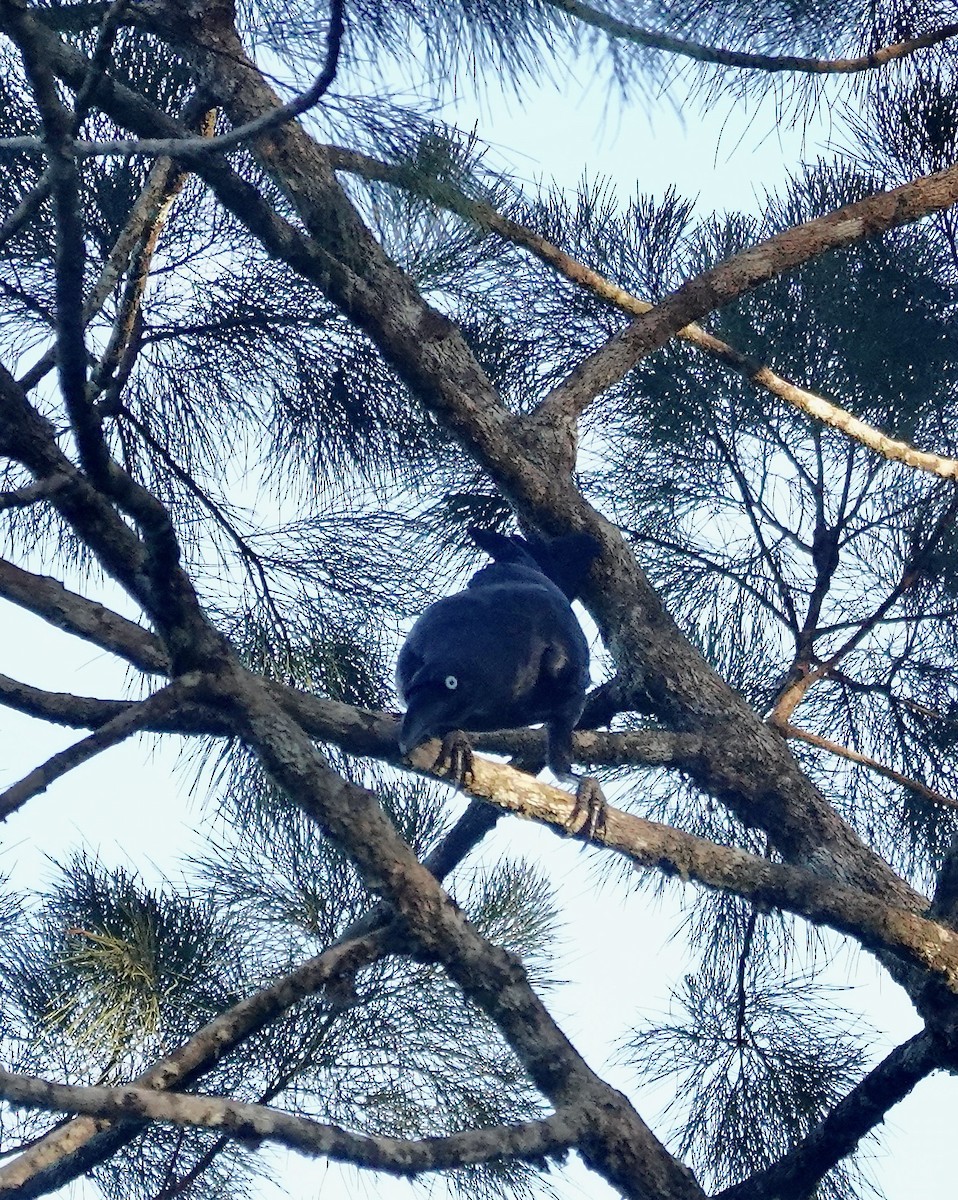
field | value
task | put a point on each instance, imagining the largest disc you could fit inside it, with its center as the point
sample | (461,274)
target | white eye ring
(451,682)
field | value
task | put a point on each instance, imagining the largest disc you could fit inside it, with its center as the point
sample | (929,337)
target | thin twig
(913,785)
(654,40)
(175,148)
(795,1175)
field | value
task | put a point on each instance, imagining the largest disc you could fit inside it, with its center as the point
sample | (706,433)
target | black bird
(505,652)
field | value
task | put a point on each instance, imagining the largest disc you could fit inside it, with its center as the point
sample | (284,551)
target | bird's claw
(455,757)
(590,805)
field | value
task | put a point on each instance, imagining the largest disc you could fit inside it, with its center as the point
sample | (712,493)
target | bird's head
(434,706)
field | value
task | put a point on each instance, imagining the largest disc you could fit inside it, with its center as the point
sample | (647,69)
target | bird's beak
(418,725)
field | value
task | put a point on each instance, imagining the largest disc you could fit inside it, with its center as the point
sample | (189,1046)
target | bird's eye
(452,682)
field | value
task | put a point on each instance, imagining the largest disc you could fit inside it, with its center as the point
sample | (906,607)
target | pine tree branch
(174,148)
(654,40)
(68,1151)
(486,217)
(143,226)
(440,368)
(743,272)
(651,845)
(58,606)
(617,1143)
(131,720)
(913,785)
(795,1175)
(550,1137)
(358,731)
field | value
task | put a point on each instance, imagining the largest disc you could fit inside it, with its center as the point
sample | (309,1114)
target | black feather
(507,651)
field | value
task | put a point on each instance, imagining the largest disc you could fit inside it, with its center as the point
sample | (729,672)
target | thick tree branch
(877,926)
(356,730)
(719,56)
(537,1139)
(47,598)
(617,1143)
(754,773)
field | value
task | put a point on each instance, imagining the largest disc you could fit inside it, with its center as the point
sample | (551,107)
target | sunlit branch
(743,272)
(649,844)
(485,216)
(913,785)
(719,56)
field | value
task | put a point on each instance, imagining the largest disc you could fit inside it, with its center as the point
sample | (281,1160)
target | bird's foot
(455,757)
(590,805)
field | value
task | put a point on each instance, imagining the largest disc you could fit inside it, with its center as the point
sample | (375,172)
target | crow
(505,652)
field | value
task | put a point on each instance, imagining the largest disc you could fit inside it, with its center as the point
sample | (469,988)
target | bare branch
(48,598)
(655,40)
(177,147)
(126,723)
(552,1136)
(823,743)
